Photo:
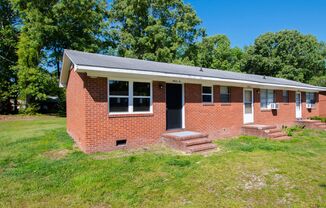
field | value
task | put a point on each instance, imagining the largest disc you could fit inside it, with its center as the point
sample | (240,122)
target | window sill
(208,104)
(226,104)
(265,110)
(123,115)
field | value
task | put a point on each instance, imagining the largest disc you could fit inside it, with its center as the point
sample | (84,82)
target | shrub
(322,119)
(292,129)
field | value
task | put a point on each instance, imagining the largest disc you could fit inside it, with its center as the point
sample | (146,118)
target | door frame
(252,106)
(183,117)
(298,93)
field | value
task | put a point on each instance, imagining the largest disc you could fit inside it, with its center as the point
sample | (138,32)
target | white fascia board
(81,68)
(66,63)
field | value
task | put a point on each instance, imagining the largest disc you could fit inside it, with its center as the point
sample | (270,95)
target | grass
(40,167)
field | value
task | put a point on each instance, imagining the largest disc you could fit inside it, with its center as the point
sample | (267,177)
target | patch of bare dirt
(57,154)
(254,182)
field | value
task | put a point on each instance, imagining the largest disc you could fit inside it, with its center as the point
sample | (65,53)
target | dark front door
(173,106)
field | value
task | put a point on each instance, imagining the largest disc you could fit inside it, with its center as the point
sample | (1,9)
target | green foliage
(179,162)
(286,54)
(216,52)
(155,30)
(8,58)
(322,119)
(291,130)
(48,28)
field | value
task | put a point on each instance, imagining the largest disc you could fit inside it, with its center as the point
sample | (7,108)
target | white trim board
(105,72)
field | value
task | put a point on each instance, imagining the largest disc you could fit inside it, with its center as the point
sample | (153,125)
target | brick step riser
(273,131)
(187,139)
(193,142)
(200,148)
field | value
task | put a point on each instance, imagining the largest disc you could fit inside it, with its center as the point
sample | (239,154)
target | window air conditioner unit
(275,106)
(309,105)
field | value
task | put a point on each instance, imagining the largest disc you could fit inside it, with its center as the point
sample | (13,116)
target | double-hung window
(129,97)
(310,98)
(266,98)
(286,96)
(225,94)
(118,96)
(141,96)
(207,94)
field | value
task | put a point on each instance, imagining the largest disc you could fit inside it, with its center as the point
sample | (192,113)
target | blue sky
(243,20)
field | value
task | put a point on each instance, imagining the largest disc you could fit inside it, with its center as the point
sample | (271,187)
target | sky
(244,20)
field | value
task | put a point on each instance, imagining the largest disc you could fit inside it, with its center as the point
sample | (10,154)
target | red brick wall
(322,104)
(285,115)
(76,111)
(307,113)
(216,119)
(91,126)
(103,130)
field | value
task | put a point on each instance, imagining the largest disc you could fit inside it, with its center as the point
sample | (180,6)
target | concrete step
(201,147)
(276,134)
(320,124)
(181,137)
(191,142)
(270,131)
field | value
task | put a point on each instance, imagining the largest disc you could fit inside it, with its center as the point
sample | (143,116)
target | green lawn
(40,167)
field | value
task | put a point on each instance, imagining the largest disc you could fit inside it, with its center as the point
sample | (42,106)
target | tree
(286,54)
(48,28)
(8,58)
(157,30)
(216,52)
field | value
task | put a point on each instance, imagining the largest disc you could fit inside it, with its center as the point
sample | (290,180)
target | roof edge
(86,68)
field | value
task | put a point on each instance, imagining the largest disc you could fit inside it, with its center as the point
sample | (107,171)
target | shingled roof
(101,62)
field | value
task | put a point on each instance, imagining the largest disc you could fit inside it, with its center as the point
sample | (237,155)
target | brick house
(115,102)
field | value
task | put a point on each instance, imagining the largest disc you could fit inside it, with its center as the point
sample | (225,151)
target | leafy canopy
(216,52)
(286,54)
(157,30)
(48,28)
(8,58)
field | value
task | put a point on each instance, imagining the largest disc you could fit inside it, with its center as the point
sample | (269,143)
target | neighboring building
(322,104)
(113,101)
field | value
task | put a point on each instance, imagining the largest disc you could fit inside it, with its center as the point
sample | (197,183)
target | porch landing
(189,141)
(312,124)
(267,131)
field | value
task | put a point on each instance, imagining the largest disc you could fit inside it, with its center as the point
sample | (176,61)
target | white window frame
(313,95)
(131,97)
(229,94)
(268,107)
(287,97)
(210,94)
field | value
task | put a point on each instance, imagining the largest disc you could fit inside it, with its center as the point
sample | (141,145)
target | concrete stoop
(312,124)
(266,131)
(189,141)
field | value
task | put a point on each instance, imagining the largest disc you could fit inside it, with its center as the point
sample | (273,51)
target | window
(118,96)
(285,96)
(225,94)
(266,98)
(129,96)
(310,98)
(142,96)
(207,94)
